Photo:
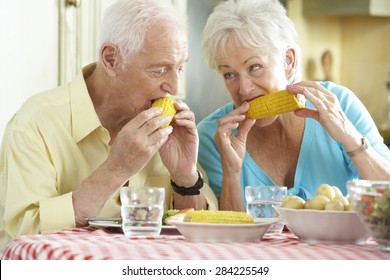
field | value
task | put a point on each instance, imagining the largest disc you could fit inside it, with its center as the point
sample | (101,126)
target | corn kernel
(276,103)
(168,107)
(218,217)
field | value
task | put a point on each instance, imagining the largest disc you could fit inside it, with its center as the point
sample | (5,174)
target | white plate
(116,222)
(105,222)
(203,232)
(320,226)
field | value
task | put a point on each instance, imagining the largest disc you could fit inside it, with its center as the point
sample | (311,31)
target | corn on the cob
(168,107)
(218,217)
(276,103)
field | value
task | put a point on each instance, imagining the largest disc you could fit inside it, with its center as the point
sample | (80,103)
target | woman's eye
(228,76)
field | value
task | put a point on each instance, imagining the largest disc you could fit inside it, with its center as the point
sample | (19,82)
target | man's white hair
(126,21)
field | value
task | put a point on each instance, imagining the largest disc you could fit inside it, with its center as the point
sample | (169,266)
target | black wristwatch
(194,190)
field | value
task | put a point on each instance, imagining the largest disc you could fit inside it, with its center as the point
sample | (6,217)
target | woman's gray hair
(254,24)
(126,21)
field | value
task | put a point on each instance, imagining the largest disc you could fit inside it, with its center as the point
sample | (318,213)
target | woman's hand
(328,112)
(232,148)
(370,164)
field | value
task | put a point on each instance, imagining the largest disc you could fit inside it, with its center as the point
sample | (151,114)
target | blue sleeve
(357,113)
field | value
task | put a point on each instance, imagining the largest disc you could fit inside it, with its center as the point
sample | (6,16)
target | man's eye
(255,67)
(160,72)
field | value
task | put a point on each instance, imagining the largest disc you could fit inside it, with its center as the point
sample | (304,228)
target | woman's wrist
(364,145)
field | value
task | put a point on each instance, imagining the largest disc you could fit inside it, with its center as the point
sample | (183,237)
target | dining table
(106,243)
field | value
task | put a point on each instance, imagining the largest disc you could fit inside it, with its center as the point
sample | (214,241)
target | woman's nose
(246,84)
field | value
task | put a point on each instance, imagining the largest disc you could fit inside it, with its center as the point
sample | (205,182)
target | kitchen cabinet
(346,7)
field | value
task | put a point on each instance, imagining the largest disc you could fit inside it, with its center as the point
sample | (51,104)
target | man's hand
(180,153)
(138,141)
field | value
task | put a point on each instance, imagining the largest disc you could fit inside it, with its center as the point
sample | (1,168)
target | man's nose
(171,84)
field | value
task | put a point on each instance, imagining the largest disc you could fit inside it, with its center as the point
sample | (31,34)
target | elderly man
(67,152)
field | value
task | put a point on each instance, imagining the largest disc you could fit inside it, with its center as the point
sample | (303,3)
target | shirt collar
(84,117)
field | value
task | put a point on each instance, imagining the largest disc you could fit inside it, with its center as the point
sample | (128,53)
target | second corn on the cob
(168,106)
(218,217)
(276,103)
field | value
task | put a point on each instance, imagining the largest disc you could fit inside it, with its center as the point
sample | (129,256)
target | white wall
(28,52)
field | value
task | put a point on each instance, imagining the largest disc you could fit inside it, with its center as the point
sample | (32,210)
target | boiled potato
(317,202)
(326,190)
(293,202)
(343,200)
(350,206)
(327,198)
(337,191)
(334,205)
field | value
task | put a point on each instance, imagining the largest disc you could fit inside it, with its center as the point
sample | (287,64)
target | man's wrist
(193,190)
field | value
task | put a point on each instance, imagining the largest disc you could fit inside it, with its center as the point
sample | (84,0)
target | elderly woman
(253,45)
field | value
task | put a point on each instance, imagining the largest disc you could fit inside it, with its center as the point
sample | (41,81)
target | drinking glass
(260,201)
(142,210)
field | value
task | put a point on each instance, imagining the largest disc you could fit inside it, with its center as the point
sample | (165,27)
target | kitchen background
(45,43)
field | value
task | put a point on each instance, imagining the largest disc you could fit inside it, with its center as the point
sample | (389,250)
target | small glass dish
(371,201)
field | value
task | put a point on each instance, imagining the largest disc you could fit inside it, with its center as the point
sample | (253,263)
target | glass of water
(142,210)
(260,201)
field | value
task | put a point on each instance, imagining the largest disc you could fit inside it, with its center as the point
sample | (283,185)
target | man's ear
(109,55)
(290,61)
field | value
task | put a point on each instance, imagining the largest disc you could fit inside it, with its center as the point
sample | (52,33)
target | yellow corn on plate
(218,217)
(168,107)
(276,103)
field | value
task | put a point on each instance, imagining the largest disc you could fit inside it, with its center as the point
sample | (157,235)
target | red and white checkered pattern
(108,244)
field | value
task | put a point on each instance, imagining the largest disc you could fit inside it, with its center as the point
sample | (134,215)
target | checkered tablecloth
(109,244)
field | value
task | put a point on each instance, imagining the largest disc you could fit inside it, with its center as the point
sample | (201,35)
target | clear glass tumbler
(142,210)
(260,202)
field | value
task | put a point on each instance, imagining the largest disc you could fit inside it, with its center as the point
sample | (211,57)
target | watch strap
(364,146)
(194,190)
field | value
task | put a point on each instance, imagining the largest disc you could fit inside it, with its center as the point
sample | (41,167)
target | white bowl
(202,232)
(320,226)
